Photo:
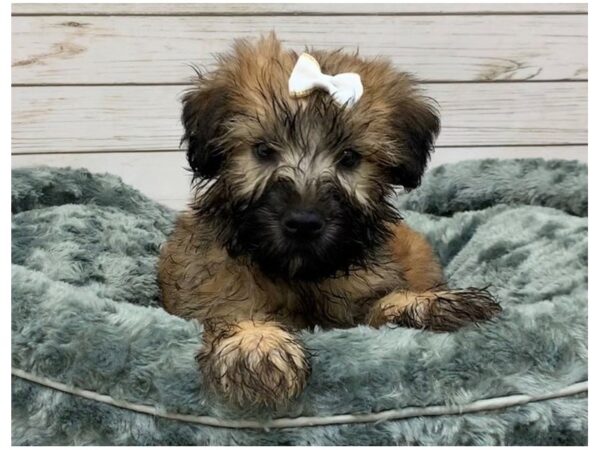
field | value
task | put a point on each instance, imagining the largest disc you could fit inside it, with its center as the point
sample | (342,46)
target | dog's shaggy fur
(291,225)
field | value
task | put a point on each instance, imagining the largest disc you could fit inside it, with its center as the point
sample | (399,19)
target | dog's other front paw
(454,309)
(435,310)
(255,363)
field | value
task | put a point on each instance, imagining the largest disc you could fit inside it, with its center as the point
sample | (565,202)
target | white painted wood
(146,49)
(295,8)
(143,118)
(162,175)
(132,131)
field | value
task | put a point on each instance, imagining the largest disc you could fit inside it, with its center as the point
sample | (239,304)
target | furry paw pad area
(97,361)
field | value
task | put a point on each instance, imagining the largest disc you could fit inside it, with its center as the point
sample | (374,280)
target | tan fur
(199,280)
(419,264)
(254,74)
(250,354)
(272,361)
(247,329)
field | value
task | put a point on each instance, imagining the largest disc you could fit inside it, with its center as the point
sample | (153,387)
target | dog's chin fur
(352,236)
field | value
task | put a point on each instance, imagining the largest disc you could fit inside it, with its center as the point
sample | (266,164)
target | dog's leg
(253,361)
(426,302)
(247,354)
(444,310)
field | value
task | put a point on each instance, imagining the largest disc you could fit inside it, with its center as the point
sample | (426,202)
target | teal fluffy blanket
(90,343)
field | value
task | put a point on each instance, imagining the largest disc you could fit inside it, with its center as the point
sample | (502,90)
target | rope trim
(393,414)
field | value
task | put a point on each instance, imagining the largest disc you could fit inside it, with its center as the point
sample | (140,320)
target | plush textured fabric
(85,312)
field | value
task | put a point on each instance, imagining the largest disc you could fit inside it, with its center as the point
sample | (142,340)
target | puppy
(291,224)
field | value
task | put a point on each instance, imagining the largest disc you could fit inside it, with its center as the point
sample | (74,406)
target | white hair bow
(345,88)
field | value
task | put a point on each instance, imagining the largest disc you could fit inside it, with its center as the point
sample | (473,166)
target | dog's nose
(303,223)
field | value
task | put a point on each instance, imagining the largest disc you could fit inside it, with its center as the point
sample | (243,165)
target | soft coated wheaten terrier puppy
(291,225)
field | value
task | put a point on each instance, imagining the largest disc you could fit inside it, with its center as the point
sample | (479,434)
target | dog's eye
(350,159)
(264,153)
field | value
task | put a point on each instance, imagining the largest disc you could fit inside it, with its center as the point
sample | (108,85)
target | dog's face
(301,185)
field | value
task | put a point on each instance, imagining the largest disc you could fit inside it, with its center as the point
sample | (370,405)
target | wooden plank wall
(98,85)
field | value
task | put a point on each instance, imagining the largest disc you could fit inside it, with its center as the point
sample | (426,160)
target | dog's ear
(204,114)
(416,125)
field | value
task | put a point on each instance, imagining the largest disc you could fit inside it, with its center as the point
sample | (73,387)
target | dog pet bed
(95,360)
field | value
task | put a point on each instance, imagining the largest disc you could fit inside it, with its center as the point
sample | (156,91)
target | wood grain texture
(163,177)
(297,8)
(146,49)
(134,131)
(146,118)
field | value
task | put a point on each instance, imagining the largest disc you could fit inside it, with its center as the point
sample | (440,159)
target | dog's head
(301,185)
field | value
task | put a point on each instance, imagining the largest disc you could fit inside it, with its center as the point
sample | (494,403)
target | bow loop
(345,88)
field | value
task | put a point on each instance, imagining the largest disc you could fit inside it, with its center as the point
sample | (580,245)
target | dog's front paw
(435,310)
(255,363)
(454,309)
